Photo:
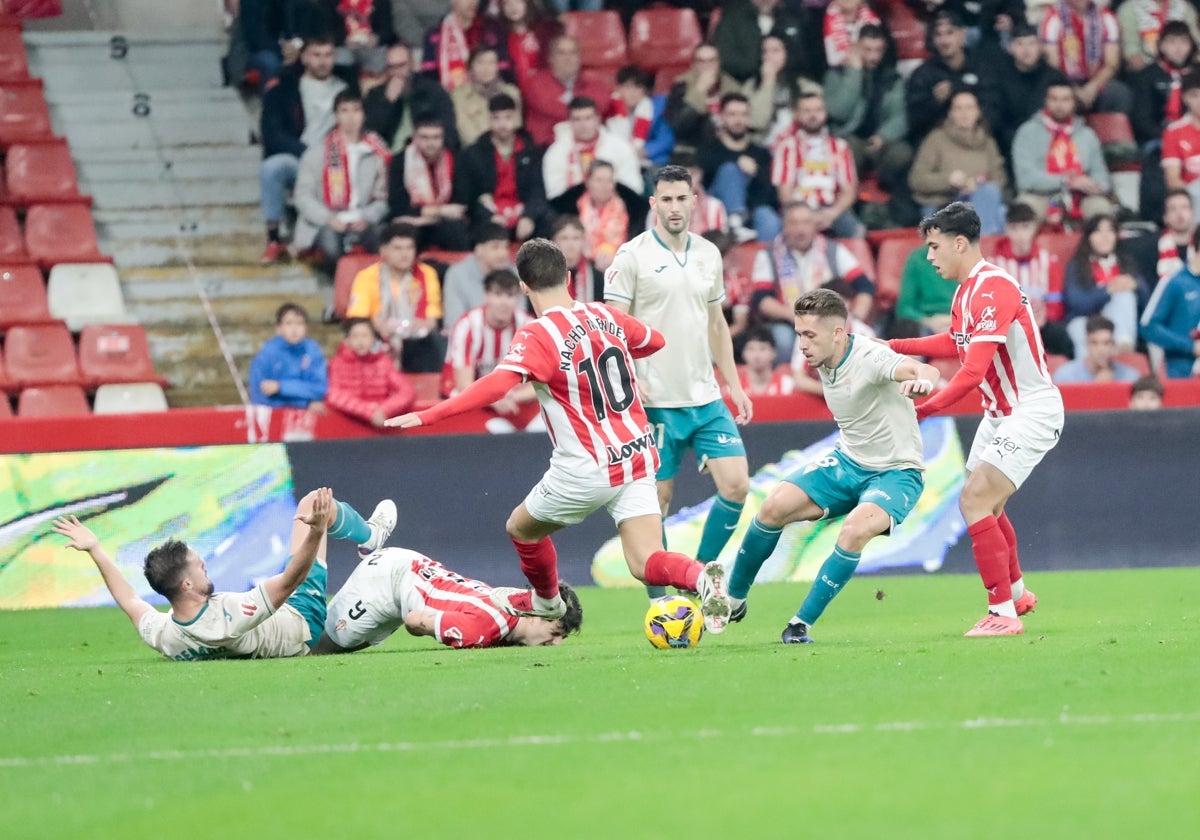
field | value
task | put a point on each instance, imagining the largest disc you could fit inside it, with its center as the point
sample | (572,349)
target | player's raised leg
(370,534)
(539,563)
(985,492)
(1023,599)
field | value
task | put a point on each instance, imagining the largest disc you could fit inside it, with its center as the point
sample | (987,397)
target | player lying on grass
(579,357)
(874,475)
(282,616)
(396,587)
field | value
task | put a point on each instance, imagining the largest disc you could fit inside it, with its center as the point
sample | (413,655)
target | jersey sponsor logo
(876,493)
(1005,445)
(452,633)
(249,609)
(987,319)
(961,339)
(988,295)
(727,440)
(645,441)
(516,351)
(660,269)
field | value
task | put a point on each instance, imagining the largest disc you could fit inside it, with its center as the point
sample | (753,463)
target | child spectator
(363,380)
(1146,394)
(760,376)
(289,370)
(587,281)
(637,116)
(1097,364)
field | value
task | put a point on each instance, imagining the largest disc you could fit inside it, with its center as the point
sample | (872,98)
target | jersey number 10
(605,374)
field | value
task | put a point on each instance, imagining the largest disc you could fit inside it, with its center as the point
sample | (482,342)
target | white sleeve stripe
(616,296)
(514,368)
(998,339)
(267,601)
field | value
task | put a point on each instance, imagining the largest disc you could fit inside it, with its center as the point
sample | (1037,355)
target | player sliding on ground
(282,616)
(396,587)
(874,475)
(995,336)
(580,358)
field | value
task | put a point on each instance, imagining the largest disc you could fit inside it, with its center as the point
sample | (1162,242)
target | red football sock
(539,562)
(991,557)
(1010,537)
(670,568)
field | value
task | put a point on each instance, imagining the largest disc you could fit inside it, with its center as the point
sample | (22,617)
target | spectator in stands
(1058,163)
(1037,271)
(695,98)
(463,288)
(1017,88)
(1083,40)
(816,168)
(421,190)
(761,375)
(1143,25)
(737,171)
(499,176)
(799,260)
(744,26)
(1172,317)
(604,215)
(271,31)
(587,282)
(393,107)
(959,161)
(637,116)
(923,304)
(472,97)
(951,67)
(528,30)
(363,380)
(480,339)
(771,92)
(362,31)
(1146,394)
(550,91)
(1157,103)
(865,98)
(448,43)
(402,298)
(1097,364)
(739,289)
(1179,226)
(297,113)
(1098,279)
(341,186)
(582,141)
(844,19)
(289,370)
(1181,141)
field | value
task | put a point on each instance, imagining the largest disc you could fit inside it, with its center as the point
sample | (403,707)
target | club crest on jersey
(516,351)
(610,276)
(644,442)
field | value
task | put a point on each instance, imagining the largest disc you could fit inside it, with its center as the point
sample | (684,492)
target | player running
(674,281)
(995,336)
(396,587)
(873,477)
(579,357)
(282,616)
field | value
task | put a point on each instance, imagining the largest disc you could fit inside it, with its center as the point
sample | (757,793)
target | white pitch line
(292,751)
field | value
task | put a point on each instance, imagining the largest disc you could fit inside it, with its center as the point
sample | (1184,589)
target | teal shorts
(708,429)
(839,485)
(309,600)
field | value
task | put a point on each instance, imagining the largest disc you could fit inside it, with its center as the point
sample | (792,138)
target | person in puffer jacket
(363,380)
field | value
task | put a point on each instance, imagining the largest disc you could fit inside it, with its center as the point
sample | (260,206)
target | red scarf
(335,179)
(1062,156)
(1175,97)
(452,53)
(580,158)
(581,280)
(428,183)
(839,37)
(607,227)
(357,15)
(1105,269)
(504,193)
(1081,50)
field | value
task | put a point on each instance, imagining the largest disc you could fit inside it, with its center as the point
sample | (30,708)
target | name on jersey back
(577,334)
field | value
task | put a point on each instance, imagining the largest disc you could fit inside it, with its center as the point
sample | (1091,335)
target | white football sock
(1018,588)
(1005,609)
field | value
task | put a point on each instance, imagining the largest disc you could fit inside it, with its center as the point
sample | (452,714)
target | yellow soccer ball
(674,622)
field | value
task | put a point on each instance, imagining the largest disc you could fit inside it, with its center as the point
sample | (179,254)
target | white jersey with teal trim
(878,423)
(230,625)
(671,293)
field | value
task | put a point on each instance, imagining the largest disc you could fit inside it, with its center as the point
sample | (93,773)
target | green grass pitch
(892,725)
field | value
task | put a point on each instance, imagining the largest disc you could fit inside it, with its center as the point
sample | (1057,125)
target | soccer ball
(674,622)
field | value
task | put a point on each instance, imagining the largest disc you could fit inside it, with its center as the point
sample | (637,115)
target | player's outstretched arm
(82,539)
(323,514)
(482,392)
(916,378)
(721,345)
(968,377)
(937,346)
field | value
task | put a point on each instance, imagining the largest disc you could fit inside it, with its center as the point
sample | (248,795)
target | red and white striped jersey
(581,364)
(818,166)
(1170,257)
(474,343)
(990,306)
(466,616)
(1038,273)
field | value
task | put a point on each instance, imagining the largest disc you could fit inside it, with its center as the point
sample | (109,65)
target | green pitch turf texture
(892,725)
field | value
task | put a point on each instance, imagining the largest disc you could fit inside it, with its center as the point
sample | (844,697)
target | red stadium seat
(1054,361)
(862,252)
(437,255)
(878,237)
(1115,128)
(348,268)
(24,115)
(663,37)
(6,384)
(601,37)
(13,66)
(115,353)
(61,233)
(41,355)
(22,296)
(741,257)
(5,407)
(53,401)
(12,245)
(39,173)
(893,253)
(1135,360)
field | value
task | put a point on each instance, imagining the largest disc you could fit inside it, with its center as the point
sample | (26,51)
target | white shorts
(560,499)
(1017,443)
(371,606)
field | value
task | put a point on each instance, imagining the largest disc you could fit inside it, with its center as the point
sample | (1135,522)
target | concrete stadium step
(149,287)
(128,164)
(75,61)
(214,236)
(170,192)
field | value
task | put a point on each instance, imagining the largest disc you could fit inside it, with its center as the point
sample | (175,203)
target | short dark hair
(320,39)
(1149,382)
(760,333)
(1096,323)
(501,280)
(428,120)
(955,219)
(1176,28)
(1019,30)
(351,323)
(346,95)
(872,30)
(672,174)
(733,96)
(631,73)
(566,221)
(1178,192)
(501,102)
(572,619)
(165,566)
(598,164)
(399,230)
(489,232)
(723,239)
(824,303)
(1019,212)
(1057,82)
(578,103)
(283,310)
(685,159)
(841,287)
(541,265)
